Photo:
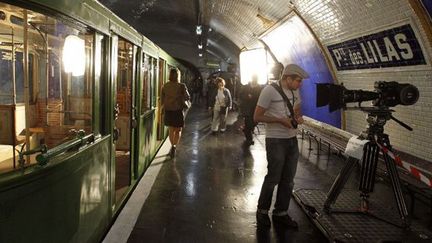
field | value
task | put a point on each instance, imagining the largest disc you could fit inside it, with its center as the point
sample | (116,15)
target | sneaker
(263,220)
(285,220)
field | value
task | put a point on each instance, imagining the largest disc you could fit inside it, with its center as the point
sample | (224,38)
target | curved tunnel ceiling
(228,25)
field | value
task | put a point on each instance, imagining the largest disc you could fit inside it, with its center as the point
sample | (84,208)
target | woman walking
(174,96)
(220,102)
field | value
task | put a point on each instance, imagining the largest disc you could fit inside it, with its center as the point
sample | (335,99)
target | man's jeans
(282,157)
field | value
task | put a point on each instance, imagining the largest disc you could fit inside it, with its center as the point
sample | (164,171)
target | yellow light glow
(74,55)
(253,62)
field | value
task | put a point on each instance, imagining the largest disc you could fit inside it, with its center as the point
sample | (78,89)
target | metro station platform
(209,191)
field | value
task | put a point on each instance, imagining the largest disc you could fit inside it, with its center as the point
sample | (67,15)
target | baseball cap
(293,69)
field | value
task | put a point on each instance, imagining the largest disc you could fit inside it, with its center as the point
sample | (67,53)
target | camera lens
(408,94)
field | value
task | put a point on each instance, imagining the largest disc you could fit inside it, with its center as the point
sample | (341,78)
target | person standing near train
(173,98)
(220,102)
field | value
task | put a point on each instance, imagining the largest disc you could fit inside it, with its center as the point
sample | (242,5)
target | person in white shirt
(281,145)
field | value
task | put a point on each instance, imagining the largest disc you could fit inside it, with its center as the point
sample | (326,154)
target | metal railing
(80,140)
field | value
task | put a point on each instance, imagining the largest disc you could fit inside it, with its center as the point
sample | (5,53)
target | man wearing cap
(281,145)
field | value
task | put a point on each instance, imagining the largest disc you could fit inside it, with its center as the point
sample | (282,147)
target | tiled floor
(209,191)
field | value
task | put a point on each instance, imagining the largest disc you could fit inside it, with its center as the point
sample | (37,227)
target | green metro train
(80,117)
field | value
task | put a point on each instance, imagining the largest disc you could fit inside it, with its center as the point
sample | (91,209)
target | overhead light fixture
(200,54)
(199,30)
(267,23)
(210,29)
(199,46)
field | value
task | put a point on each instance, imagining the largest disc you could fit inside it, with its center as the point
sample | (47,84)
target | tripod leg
(397,190)
(368,168)
(340,182)
(367,176)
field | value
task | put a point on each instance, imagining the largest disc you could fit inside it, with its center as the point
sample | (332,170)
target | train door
(146,119)
(161,81)
(124,115)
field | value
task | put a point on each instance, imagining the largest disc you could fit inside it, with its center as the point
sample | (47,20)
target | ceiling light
(200,54)
(199,30)
(265,21)
(199,46)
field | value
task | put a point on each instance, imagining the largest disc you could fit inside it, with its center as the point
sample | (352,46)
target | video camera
(386,94)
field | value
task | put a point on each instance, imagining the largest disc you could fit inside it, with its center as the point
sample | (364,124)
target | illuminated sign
(389,48)
(212,64)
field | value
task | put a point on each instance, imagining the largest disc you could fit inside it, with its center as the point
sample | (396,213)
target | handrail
(329,129)
(21,161)
(80,140)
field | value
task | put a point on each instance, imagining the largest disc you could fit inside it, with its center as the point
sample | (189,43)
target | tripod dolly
(378,141)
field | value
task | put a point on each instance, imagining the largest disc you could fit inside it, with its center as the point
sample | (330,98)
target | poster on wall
(393,47)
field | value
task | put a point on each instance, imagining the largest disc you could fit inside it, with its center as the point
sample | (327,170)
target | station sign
(212,64)
(389,48)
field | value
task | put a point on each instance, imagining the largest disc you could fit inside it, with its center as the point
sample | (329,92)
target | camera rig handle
(382,112)
(406,126)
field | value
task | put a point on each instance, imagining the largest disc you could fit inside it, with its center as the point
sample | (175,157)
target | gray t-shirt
(275,106)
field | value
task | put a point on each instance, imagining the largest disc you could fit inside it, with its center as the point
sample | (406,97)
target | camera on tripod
(386,94)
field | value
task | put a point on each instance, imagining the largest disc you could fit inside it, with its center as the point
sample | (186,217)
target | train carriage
(80,117)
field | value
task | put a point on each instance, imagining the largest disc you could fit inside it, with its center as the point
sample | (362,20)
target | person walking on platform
(220,102)
(248,99)
(281,144)
(197,86)
(211,89)
(173,98)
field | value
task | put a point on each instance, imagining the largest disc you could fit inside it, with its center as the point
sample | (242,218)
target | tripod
(376,118)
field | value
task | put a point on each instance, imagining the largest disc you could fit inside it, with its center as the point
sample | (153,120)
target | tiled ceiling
(228,25)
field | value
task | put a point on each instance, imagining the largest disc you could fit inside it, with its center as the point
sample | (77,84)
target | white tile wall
(237,19)
(338,20)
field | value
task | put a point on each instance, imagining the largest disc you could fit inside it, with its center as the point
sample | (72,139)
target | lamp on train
(74,55)
(253,62)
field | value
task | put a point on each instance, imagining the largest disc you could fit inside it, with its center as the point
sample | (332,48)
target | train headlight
(74,55)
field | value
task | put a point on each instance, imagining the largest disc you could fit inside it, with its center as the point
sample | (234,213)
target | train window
(154,80)
(148,80)
(2,15)
(45,84)
(124,76)
(17,83)
(16,20)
